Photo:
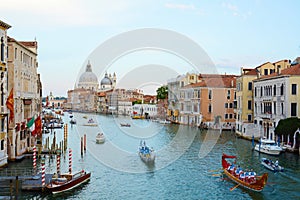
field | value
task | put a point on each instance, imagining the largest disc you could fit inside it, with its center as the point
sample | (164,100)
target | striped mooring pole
(70,161)
(43,172)
(34,160)
(58,162)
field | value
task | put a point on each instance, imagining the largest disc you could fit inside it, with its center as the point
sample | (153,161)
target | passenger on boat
(252,175)
(276,163)
(242,176)
(231,168)
(247,177)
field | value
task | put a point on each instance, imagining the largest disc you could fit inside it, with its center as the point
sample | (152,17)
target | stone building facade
(25,83)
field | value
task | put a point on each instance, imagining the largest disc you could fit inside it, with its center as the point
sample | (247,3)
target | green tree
(287,126)
(162,92)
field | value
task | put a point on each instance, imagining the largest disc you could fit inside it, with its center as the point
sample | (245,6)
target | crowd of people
(248,176)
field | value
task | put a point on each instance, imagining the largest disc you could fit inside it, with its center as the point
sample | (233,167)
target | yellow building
(244,94)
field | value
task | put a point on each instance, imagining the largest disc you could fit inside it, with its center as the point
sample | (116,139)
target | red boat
(255,183)
(67,181)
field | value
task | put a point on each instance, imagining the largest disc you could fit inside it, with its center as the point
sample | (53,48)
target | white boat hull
(271,166)
(267,150)
(147,158)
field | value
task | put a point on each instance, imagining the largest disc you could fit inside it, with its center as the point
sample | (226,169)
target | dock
(35,182)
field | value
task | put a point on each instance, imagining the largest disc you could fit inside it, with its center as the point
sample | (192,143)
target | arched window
(281,89)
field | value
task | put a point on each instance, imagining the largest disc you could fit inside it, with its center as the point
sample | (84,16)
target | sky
(230,34)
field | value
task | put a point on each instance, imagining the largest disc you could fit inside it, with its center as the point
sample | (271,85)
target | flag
(30,122)
(47,102)
(37,126)
(10,104)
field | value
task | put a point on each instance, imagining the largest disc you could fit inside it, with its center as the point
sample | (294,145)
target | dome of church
(106,80)
(88,79)
(88,75)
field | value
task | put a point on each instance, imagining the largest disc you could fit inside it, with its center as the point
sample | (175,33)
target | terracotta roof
(216,81)
(29,43)
(252,72)
(26,45)
(293,70)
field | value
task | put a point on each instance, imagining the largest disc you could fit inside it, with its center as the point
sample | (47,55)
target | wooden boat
(67,181)
(256,184)
(146,154)
(269,164)
(100,138)
(126,125)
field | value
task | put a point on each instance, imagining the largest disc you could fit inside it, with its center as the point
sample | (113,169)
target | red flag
(10,104)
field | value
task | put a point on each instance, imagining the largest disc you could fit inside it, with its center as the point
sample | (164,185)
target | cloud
(235,11)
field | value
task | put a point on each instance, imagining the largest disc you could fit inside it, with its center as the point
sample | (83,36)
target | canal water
(187,166)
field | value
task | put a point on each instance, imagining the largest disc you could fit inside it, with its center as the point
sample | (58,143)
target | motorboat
(67,182)
(73,121)
(100,138)
(273,166)
(268,147)
(91,122)
(125,125)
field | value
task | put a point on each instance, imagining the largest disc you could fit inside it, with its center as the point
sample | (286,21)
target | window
(255,91)
(274,90)
(182,83)
(274,108)
(2,145)
(230,105)
(249,118)
(250,86)
(226,105)
(294,89)
(226,116)
(2,49)
(261,91)
(249,104)
(281,89)
(209,108)
(228,94)
(293,109)
(209,94)
(265,72)
(230,116)
(282,110)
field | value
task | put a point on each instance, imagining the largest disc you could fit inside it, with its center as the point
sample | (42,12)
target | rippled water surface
(186,167)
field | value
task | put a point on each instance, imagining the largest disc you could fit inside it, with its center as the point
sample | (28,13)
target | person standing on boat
(276,163)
